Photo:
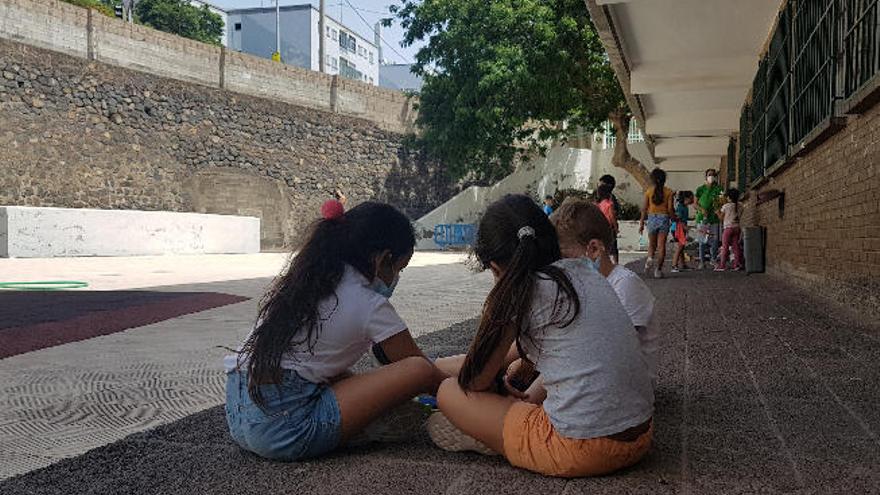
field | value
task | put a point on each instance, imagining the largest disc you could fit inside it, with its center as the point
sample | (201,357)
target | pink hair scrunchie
(332,210)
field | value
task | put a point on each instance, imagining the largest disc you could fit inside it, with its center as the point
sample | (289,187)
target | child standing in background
(729,214)
(707,220)
(682,211)
(611,182)
(606,205)
(657,213)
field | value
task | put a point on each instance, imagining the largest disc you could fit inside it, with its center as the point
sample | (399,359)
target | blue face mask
(380,287)
(594,264)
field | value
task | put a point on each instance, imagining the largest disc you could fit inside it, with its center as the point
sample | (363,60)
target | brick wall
(828,238)
(61,27)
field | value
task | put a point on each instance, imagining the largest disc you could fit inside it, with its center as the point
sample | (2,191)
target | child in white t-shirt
(589,413)
(730,238)
(585,233)
(289,394)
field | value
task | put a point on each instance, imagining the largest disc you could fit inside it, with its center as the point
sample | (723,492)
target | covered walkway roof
(686,67)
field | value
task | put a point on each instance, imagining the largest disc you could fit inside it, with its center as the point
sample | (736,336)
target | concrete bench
(31,232)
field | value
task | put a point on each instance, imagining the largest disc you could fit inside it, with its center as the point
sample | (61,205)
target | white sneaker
(701,266)
(658,273)
(649,262)
(445,435)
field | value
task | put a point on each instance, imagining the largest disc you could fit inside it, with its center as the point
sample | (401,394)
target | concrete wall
(828,237)
(64,28)
(140,48)
(47,24)
(27,232)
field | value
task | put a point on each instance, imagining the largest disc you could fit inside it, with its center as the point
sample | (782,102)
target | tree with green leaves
(103,6)
(501,77)
(180,18)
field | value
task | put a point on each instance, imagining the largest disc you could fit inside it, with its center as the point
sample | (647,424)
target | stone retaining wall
(84,134)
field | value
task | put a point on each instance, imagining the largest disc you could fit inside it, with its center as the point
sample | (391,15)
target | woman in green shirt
(707,219)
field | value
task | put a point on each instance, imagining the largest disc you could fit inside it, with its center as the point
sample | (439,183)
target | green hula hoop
(44,286)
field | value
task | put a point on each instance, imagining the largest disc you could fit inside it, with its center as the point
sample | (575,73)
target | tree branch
(622,158)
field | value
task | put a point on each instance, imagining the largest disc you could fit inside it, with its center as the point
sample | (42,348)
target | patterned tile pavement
(62,401)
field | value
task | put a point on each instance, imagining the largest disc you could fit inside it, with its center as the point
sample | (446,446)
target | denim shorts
(301,419)
(658,224)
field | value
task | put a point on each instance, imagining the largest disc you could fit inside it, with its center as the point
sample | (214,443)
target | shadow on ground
(33,320)
(762,390)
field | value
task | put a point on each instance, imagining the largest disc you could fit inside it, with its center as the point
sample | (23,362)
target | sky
(341,10)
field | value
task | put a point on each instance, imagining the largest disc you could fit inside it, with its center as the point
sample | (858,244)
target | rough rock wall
(75,133)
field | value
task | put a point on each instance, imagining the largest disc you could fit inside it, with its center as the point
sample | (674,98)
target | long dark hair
(603,192)
(659,178)
(288,315)
(523,258)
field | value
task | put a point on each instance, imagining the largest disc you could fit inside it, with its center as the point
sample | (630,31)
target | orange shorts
(531,442)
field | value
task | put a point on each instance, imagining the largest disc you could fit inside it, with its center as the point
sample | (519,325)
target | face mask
(593,264)
(711,179)
(380,287)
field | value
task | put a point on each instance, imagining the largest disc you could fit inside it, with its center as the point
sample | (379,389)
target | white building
(346,52)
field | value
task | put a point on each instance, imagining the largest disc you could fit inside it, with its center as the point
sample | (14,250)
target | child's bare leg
(477,414)
(363,398)
(661,249)
(450,365)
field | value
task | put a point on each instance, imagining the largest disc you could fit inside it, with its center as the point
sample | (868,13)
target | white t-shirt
(596,378)
(638,302)
(731,214)
(350,324)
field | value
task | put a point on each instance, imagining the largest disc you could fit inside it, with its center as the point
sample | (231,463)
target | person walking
(708,223)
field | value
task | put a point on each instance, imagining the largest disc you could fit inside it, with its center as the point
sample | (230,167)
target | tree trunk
(621,157)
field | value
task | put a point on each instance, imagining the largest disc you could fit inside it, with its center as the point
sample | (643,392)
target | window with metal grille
(778,91)
(860,27)
(731,161)
(813,67)
(744,135)
(757,118)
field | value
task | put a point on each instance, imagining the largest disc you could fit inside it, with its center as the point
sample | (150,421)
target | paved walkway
(62,401)
(762,390)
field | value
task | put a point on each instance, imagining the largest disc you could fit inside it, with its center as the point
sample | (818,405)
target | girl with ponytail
(289,394)
(659,212)
(589,411)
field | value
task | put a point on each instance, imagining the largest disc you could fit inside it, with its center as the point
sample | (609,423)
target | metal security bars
(860,26)
(778,91)
(823,59)
(758,121)
(813,67)
(731,161)
(744,134)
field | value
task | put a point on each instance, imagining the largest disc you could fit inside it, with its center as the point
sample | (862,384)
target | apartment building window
(334,63)
(349,70)
(362,51)
(334,34)
(238,26)
(371,58)
(347,42)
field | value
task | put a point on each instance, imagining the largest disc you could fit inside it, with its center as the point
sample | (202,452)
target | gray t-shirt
(597,380)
